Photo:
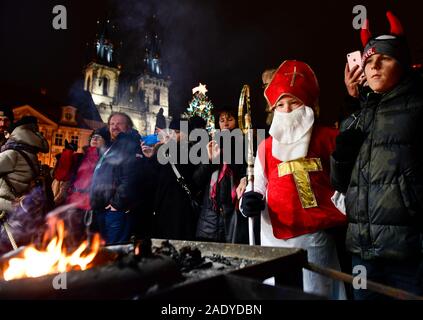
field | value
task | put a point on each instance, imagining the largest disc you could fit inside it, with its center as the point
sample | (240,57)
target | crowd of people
(351,196)
(117,186)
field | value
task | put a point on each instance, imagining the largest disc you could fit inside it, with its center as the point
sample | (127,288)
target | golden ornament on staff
(244,121)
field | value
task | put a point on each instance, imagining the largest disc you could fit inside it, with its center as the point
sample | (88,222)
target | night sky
(222,43)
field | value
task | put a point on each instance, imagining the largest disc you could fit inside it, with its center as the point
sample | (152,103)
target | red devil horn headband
(396,28)
(365,33)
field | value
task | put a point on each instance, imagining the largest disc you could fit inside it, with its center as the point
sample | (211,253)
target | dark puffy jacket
(384,200)
(116,178)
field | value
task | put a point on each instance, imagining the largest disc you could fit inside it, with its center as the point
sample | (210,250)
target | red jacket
(66,164)
(289,218)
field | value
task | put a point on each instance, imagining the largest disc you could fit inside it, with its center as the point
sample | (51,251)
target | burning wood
(114,274)
(135,271)
(54,259)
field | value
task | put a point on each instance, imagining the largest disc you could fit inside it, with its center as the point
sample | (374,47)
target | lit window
(105,86)
(156,98)
(74,140)
(58,139)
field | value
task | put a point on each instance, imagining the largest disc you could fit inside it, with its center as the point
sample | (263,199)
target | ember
(193,265)
(54,259)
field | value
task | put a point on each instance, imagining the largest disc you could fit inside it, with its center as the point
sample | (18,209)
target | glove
(252,204)
(348,145)
(70,146)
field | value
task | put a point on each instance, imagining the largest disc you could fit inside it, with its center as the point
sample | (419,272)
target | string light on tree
(200,105)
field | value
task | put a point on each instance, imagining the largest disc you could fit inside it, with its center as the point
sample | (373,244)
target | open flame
(53,259)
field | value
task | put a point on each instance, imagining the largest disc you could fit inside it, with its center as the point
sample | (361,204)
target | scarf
(216,178)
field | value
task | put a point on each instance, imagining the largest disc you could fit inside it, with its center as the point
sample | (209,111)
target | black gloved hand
(348,145)
(70,146)
(252,204)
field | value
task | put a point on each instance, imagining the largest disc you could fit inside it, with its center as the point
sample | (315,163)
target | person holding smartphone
(220,219)
(378,165)
(353,75)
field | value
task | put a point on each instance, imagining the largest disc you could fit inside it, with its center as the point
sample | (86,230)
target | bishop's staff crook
(244,121)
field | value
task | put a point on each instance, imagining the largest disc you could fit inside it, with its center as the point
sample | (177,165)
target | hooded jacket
(15,167)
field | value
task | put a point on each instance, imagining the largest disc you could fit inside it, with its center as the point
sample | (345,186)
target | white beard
(291,133)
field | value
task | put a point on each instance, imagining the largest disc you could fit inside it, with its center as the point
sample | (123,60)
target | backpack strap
(11,187)
(32,166)
(181,180)
(28,160)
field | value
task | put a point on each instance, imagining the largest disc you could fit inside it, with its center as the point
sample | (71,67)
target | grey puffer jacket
(14,166)
(384,200)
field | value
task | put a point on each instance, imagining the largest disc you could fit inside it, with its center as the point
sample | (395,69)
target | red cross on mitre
(294,75)
(294,78)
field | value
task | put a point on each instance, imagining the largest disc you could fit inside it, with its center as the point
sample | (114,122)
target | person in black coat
(174,216)
(116,183)
(219,219)
(377,165)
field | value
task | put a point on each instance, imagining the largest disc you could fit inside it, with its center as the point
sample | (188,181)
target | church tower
(140,90)
(153,83)
(102,73)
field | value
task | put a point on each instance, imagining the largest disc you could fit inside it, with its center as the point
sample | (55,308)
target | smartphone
(354,59)
(150,140)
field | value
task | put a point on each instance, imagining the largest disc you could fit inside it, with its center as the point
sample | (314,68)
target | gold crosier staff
(244,121)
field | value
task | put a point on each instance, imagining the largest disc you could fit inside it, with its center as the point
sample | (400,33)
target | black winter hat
(394,47)
(393,44)
(175,124)
(25,120)
(180,124)
(197,122)
(7,112)
(103,132)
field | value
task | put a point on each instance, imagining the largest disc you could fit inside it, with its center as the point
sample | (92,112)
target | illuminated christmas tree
(200,105)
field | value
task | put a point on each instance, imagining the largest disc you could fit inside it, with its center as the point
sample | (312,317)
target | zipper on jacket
(368,173)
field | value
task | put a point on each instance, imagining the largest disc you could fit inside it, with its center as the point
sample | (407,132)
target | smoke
(188,29)
(26,222)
